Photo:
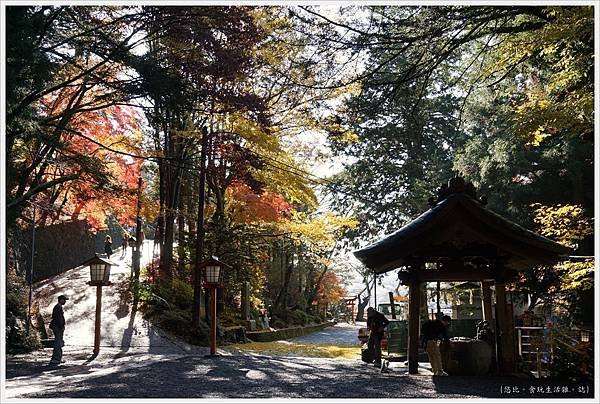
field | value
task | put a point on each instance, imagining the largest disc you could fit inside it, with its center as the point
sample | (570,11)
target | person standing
(57,325)
(108,246)
(432,333)
(376,323)
(124,244)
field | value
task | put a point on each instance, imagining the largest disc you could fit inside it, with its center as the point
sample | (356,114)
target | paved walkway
(342,334)
(122,326)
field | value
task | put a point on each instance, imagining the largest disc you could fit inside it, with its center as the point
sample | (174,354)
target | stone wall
(60,247)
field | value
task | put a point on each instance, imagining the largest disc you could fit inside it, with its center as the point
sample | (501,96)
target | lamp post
(99,274)
(212,273)
(132,242)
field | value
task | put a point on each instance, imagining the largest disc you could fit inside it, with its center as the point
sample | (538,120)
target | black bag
(426,331)
(366,354)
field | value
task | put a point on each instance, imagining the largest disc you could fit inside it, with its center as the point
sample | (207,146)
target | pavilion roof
(459,225)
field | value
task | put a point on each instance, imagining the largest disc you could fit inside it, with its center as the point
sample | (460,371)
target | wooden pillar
(505,348)
(375,289)
(486,302)
(213,321)
(392,305)
(98,322)
(414,307)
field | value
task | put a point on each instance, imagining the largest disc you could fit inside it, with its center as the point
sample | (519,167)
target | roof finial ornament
(456,185)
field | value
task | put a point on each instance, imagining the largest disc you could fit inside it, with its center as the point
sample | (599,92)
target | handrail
(571,348)
(562,334)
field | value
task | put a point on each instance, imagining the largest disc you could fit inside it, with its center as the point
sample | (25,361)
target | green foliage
(179,293)
(576,297)
(557,98)
(567,364)
(571,359)
(403,145)
(17,340)
(293,317)
(170,309)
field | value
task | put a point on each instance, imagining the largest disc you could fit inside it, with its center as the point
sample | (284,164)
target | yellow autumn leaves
(286,348)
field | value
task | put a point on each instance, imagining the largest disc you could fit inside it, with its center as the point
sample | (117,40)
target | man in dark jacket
(376,323)
(432,332)
(57,325)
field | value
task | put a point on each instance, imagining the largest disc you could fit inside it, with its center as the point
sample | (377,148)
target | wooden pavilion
(459,239)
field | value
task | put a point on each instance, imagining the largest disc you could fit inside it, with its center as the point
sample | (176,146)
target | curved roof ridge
(453,212)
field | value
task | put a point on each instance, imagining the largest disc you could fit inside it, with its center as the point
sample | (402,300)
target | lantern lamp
(99,275)
(99,270)
(585,336)
(213,272)
(132,241)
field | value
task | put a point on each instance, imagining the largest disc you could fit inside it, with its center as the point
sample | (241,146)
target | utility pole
(31,272)
(197,276)
(138,234)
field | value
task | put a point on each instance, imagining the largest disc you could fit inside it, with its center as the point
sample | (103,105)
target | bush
(17,340)
(316,319)
(278,323)
(170,309)
(178,323)
(298,317)
(180,294)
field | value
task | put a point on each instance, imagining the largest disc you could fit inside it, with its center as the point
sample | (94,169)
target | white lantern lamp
(99,270)
(212,273)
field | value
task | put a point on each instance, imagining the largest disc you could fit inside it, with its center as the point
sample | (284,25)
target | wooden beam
(413,327)
(455,275)
(486,302)
(506,354)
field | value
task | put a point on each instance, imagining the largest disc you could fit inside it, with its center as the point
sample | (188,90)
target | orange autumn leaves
(331,289)
(246,206)
(96,142)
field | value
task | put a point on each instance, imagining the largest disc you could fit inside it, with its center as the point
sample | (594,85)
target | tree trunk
(362,305)
(282,296)
(181,239)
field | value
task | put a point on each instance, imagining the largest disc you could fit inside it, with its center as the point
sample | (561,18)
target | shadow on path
(194,376)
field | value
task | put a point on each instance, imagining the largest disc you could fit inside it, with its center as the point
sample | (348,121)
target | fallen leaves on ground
(285,348)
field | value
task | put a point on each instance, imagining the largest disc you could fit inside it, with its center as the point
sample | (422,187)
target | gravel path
(167,372)
(136,360)
(143,375)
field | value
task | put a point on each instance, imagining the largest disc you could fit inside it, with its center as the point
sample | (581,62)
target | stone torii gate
(459,239)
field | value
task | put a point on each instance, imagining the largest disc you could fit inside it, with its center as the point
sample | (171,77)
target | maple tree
(330,290)
(59,120)
(196,58)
